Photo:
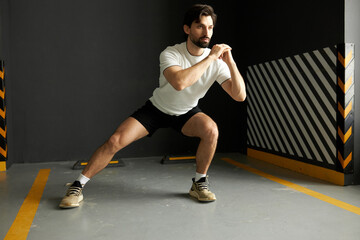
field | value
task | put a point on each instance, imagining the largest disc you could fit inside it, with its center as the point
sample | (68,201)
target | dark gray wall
(277,29)
(78,68)
(352,35)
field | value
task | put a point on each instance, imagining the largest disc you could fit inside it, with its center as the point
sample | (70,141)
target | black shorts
(153,119)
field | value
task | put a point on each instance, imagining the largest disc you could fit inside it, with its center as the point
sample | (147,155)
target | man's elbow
(177,86)
(240,98)
(176,82)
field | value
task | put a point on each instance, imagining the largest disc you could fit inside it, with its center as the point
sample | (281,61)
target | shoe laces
(202,186)
(74,190)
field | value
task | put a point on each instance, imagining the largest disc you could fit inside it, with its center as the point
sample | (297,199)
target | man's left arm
(235,86)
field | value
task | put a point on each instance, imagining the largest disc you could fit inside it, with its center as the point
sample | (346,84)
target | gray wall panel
(79,68)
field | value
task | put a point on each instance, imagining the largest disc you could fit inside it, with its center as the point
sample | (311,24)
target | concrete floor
(147,200)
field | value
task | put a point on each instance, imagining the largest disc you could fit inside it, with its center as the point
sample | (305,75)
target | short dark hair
(197,11)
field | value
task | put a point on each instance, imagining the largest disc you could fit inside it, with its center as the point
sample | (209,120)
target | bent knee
(115,143)
(211,132)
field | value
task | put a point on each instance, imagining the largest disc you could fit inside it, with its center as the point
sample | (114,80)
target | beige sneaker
(73,196)
(200,190)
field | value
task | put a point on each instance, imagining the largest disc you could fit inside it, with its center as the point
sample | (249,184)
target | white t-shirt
(173,102)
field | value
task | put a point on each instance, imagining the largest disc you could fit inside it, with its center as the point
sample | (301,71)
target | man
(187,71)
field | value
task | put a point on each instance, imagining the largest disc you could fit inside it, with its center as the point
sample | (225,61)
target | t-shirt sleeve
(223,72)
(168,58)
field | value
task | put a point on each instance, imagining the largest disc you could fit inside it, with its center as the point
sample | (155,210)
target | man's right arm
(182,78)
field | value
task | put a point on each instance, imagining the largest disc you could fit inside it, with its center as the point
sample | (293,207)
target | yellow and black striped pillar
(3,129)
(345,106)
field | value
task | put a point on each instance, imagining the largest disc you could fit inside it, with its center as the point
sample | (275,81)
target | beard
(199,42)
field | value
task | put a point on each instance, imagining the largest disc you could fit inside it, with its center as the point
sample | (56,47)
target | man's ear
(187,29)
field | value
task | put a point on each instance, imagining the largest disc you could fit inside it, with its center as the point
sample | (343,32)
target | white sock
(198,176)
(83,179)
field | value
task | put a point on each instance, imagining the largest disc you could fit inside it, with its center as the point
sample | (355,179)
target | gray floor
(147,200)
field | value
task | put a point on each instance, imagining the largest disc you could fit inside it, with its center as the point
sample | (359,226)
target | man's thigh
(130,130)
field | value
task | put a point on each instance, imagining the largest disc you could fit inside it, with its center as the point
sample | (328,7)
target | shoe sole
(70,206)
(195,195)
(73,205)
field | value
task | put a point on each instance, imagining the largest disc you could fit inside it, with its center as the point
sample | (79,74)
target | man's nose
(206,32)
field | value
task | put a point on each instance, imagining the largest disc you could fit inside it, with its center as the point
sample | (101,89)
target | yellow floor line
(296,187)
(21,226)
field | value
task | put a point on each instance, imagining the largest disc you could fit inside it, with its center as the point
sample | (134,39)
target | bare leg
(202,126)
(129,131)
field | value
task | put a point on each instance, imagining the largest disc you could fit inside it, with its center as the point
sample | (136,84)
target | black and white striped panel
(292,106)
